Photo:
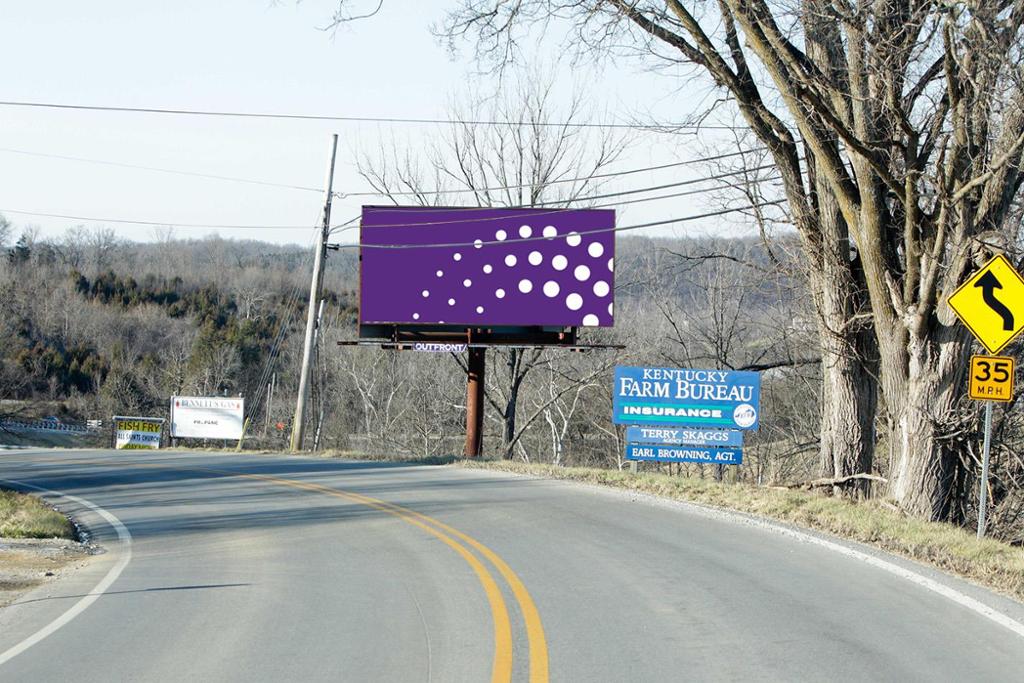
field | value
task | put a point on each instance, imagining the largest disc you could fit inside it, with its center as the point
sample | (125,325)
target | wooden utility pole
(298,424)
(475,402)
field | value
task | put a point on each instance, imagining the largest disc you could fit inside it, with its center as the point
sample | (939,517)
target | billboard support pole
(475,402)
(298,424)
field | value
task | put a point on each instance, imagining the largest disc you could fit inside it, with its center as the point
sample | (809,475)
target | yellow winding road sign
(991,304)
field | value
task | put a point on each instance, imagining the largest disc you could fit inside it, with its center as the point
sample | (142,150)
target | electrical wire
(156,169)
(533,211)
(610,174)
(624,228)
(375,193)
(361,119)
(94,219)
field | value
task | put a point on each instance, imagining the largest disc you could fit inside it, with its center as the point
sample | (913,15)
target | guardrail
(44,426)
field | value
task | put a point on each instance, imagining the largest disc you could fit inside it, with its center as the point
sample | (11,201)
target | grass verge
(25,516)
(987,562)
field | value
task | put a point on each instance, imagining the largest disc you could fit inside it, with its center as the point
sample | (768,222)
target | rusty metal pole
(475,403)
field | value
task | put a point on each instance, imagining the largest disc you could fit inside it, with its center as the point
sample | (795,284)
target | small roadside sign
(713,456)
(991,304)
(682,436)
(992,378)
(435,347)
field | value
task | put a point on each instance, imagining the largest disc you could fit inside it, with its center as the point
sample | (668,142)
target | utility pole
(298,424)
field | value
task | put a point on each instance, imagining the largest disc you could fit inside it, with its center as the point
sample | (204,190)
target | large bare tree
(898,125)
(668,33)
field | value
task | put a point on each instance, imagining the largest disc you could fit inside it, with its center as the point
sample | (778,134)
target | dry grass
(990,563)
(25,516)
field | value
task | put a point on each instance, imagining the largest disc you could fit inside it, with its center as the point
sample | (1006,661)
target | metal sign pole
(983,496)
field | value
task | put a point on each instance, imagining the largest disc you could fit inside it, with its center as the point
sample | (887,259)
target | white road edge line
(921,580)
(123,535)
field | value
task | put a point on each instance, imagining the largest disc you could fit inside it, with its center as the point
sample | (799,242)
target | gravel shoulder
(27,563)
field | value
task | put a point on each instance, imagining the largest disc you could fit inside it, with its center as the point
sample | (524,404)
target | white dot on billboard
(415,316)
(535,258)
(582,273)
(500,294)
(479,243)
(601,288)
(525,286)
(551,288)
(560,262)
(595,249)
(500,235)
(590,320)
(488,268)
(479,309)
(611,308)
(574,302)
(426,293)
(451,302)
(611,264)
(525,231)
(550,231)
(467,283)
(510,260)
(457,256)
(440,273)
(574,239)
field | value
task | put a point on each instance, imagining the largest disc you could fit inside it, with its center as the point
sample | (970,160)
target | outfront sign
(682,436)
(991,304)
(206,417)
(694,398)
(714,456)
(137,433)
(992,378)
(436,347)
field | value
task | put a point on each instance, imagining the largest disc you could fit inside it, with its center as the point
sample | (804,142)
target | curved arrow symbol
(989,283)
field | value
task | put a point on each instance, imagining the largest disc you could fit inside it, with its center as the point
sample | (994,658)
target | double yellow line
(501,668)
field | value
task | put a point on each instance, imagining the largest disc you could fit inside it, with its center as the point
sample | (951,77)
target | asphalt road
(279,568)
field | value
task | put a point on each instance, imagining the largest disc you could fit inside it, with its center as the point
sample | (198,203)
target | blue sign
(712,456)
(692,398)
(685,436)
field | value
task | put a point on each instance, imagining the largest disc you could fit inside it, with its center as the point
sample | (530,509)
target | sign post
(989,303)
(983,495)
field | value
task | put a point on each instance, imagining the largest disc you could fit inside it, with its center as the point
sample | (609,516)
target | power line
(375,193)
(624,228)
(139,167)
(561,202)
(532,214)
(610,174)
(94,219)
(361,119)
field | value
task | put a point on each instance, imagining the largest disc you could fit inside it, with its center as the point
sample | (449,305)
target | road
(273,568)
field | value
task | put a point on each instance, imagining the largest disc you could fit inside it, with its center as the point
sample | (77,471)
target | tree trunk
(848,406)
(926,421)
(509,432)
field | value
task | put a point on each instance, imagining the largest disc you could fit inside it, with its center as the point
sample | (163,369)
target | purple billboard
(478,267)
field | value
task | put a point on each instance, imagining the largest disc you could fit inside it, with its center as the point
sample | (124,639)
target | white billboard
(197,417)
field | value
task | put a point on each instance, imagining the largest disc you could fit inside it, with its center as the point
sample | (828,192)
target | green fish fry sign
(694,398)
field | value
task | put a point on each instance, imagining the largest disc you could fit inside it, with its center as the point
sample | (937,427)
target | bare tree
(898,126)
(538,154)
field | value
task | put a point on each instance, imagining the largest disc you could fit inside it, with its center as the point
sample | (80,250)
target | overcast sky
(252,55)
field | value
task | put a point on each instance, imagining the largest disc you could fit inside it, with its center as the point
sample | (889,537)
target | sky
(261,56)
